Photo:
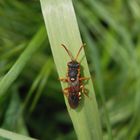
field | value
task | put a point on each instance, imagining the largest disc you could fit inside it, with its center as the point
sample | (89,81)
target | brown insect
(74,80)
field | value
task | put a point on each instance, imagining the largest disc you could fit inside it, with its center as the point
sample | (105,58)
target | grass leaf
(16,69)
(62,28)
(13,136)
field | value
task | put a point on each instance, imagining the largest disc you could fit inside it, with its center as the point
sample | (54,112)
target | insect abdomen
(73,100)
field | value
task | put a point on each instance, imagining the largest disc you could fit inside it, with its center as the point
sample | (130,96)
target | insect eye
(76,65)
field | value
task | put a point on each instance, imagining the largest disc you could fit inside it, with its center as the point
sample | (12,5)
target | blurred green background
(33,105)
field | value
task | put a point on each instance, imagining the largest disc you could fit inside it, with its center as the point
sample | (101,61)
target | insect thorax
(74,83)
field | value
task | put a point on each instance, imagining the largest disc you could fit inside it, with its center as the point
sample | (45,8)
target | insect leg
(79,95)
(84,78)
(65,91)
(63,79)
(84,90)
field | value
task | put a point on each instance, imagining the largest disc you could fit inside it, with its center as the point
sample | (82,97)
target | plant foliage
(31,98)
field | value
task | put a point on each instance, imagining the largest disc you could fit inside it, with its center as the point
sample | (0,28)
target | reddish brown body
(74,80)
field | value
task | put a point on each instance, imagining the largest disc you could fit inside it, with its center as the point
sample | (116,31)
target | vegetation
(31,99)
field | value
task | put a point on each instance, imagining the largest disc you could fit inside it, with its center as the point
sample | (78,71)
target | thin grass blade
(16,69)
(62,28)
(13,136)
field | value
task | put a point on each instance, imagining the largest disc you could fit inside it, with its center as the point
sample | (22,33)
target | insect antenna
(79,51)
(69,53)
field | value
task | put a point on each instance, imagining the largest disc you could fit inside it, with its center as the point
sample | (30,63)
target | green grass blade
(13,118)
(36,83)
(45,75)
(95,61)
(62,27)
(16,69)
(108,17)
(13,136)
(13,52)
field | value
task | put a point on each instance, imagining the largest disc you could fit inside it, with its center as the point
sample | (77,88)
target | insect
(74,80)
